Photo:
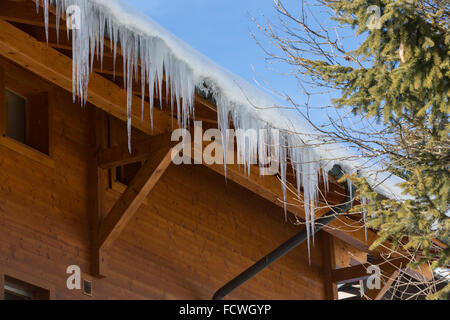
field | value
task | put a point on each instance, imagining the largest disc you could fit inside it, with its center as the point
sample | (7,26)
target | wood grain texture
(193,233)
(34,55)
(46,203)
(329,264)
(131,200)
(98,182)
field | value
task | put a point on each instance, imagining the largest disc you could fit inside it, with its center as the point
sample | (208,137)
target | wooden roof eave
(56,68)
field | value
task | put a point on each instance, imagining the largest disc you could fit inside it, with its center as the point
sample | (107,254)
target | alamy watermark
(374,21)
(74,280)
(374,280)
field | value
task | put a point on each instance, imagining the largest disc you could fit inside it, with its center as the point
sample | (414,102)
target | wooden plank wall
(193,234)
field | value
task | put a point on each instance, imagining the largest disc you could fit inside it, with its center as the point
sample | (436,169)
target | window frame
(15,86)
(26,278)
(17,292)
(116,136)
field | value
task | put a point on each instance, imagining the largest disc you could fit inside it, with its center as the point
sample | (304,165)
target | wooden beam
(68,48)
(328,265)
(142,150)
(205,103)
(440,244)
(98,185)
(55,67)
(345,254)
(352,232)
(25,12)
(27,15)
(124,209)
(3,114)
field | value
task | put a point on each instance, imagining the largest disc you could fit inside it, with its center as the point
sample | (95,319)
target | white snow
(160,52)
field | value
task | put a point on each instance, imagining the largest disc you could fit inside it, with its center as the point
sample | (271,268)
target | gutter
(291,244)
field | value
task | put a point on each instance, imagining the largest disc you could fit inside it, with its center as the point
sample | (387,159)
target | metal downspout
(289,245)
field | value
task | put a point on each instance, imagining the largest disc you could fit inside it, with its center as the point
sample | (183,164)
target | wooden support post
(3,114)
(97,185)
(134,195)
(328,265)
(106,228)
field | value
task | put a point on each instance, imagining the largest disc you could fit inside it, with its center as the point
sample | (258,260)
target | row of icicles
(149,59)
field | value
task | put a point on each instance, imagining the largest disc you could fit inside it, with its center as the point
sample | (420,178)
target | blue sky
(220,29)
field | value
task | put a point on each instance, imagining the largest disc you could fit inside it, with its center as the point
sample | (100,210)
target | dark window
(117,136)
(126,173)
(27,120)
(15,289)
(16,113)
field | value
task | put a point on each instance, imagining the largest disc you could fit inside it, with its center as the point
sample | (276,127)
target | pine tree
(409,90)
(398,75)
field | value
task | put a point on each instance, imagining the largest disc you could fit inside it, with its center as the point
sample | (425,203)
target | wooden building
(138,226)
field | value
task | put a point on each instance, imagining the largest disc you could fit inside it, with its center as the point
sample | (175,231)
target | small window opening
(125,174)
(16,111)
(27,120)
(15,289)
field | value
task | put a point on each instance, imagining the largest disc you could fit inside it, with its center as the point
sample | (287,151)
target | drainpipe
(289,245)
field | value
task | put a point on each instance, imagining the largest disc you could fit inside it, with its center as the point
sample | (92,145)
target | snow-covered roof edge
(159,51)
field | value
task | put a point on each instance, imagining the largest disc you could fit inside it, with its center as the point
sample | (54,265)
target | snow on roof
(160,52)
